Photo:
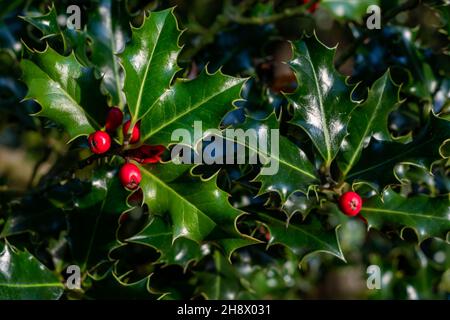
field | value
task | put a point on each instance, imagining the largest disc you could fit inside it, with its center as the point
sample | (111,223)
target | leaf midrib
(189,110)
(323,119)
(97,220)
(147,67)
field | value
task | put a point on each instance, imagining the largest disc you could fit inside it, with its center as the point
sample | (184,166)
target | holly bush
(361,116)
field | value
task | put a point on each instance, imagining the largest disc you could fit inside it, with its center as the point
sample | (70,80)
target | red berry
(99,142)
(113,119)
(135,134)
(130,176)
(313,8)
(350,203)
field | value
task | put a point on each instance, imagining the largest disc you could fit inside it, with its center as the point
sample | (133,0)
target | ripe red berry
(99,142)
(350,203)
(113,119)
(135,134)
(130,176)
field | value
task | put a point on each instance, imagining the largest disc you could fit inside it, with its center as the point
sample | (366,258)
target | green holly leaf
(296,172)
(108,28)
(46,23)
(221,283)
(207,98)
(423,81)
(23,277)
(428,217)
(198,209)
(288,168)
(321,102)
(112,287)
(150,61)
(348,9)
(93,224)
(379,159)
(301,238)
(68,93)
(158,234)
(298,203)
(370,119)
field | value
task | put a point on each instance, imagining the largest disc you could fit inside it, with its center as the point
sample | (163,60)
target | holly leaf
(93,225)
(197,208)
(221,283)
(23,277)
(292,170)
(150,61)
(379,159)
(301,238)
(34,215)
(65,90)
(428,217)
(112,287)
(321,102)
(46,23)
(158,234)
(370,119)
(108,28)
(65,39)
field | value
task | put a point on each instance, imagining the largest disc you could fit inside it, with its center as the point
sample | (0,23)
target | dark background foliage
(50,199)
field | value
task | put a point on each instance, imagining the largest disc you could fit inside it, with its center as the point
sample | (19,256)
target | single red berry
(99,142)
(350,203)
(135,134)
(113,119)
(130,176)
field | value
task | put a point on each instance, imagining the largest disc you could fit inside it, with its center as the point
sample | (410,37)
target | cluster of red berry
(100,142)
